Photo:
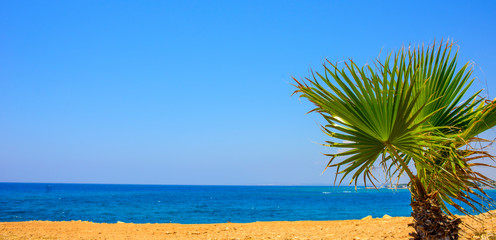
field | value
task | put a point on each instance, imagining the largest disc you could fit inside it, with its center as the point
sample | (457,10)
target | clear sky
(195,92)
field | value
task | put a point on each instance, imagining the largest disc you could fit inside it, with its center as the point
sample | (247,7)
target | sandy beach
(368,228)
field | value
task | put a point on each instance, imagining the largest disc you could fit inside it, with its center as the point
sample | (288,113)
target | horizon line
(161,184)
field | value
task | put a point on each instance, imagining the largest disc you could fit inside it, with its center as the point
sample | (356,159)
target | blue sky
(195,92)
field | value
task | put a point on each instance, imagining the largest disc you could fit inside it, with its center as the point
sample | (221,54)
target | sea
(110,203)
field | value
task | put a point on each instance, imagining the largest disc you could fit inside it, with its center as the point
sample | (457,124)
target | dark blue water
(195,204)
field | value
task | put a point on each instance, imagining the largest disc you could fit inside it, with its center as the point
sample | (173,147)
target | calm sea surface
(196,204)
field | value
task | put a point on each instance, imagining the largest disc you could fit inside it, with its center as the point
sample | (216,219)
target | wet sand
(378,228)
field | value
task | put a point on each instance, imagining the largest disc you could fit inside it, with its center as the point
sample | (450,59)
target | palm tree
(408,114)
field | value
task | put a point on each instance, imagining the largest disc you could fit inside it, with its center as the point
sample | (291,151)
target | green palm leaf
(410,115)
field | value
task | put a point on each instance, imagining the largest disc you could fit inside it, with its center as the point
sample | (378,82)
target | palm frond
(410,115)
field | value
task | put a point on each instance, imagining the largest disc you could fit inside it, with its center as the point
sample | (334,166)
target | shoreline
(367,228)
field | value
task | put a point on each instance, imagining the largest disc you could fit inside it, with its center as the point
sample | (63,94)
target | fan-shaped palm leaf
(409,115)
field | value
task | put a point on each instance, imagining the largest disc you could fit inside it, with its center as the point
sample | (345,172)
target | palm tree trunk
(431,223)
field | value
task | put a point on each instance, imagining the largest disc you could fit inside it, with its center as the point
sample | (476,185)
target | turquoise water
(196,204)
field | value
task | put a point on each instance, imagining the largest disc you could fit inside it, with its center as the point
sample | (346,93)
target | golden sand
(378,228)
